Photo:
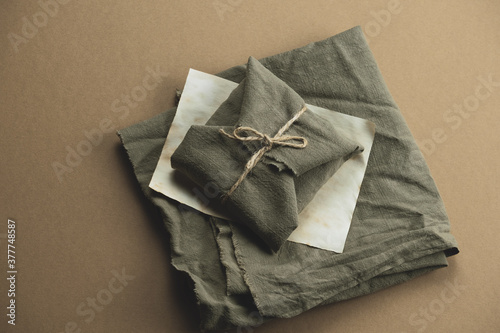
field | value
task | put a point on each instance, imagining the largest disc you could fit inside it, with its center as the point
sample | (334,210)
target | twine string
(267,142)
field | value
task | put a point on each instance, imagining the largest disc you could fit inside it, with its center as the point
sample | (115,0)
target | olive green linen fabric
(270,198)
(399,228)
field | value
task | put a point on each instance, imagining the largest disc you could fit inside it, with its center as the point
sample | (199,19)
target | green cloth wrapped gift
(288,174)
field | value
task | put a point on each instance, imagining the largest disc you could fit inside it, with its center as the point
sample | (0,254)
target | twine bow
(267,144)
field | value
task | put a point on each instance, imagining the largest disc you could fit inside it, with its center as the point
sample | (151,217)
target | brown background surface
(63,80)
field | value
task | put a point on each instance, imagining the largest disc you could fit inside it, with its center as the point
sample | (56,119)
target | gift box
(264,180)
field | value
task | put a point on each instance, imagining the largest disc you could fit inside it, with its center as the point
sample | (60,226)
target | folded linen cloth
(269,199)
(399,228)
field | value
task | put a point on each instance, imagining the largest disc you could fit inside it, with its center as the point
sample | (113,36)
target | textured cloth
(399,228)
(269,199)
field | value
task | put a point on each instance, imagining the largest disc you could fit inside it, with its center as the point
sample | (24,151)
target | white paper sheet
(325,222)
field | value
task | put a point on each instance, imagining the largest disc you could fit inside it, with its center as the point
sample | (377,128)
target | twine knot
(267,141)
(244,133)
